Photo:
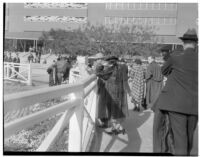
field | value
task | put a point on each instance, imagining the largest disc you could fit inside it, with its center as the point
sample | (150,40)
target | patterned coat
(137,83)
(112,96)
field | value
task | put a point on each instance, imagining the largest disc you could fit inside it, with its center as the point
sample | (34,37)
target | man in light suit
(176,109)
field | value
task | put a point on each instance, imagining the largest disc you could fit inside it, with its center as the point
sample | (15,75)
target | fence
(18,72)
(78,111)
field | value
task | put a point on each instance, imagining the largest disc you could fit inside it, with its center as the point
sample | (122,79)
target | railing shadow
(130,142)
(132,124)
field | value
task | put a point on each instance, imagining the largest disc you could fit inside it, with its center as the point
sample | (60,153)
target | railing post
(76,126)
(94,104)
(8,70)
(29,81)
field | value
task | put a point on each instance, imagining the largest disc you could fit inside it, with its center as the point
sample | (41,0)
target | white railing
(23,74)
(78,112)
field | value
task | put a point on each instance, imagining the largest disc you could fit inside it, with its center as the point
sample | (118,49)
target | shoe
(121,131)
(135,108)
(113,131)
(103,125)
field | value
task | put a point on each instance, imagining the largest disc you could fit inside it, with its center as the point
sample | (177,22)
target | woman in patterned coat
(137,75)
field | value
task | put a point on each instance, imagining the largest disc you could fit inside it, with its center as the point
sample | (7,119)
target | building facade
(27,21)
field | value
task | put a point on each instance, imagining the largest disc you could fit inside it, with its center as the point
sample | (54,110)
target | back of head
(138,61)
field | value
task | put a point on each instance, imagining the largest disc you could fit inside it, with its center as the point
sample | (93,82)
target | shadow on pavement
(129,142)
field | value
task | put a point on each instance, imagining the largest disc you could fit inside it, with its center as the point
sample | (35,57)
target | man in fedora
(176,109)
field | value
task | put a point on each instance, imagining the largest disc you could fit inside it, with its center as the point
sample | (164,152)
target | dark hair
(138,61)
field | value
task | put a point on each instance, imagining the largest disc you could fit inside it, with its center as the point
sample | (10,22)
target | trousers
(183,127)
(173,132)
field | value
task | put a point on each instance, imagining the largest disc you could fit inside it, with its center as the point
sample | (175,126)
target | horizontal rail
(27,98)
(23,81)
(30,120)
(56,131)
(88,90)
(88,80)
(12,63)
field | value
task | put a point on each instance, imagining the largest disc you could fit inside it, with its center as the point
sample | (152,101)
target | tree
(113,39)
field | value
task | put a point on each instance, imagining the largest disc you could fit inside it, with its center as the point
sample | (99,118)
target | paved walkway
(139,137)
(40,76)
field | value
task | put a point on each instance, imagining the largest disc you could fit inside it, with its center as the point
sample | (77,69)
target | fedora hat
(190,35)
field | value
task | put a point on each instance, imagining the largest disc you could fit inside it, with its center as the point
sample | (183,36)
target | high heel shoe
(112,131)
(121,131)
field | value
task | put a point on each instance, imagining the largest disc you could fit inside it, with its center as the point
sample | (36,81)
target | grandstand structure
(25,22)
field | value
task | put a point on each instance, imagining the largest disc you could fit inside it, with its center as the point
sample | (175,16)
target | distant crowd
(60,69)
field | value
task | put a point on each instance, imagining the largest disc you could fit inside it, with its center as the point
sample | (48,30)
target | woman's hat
(97,56)
(112,58)
(138,61)
(190,35)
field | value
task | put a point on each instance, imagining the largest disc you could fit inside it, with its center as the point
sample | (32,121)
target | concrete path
(139,137)
(39,74)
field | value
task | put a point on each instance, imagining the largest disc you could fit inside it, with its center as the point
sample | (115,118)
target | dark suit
(179,100)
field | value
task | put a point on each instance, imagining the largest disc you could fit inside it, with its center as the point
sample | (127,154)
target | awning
(23,35)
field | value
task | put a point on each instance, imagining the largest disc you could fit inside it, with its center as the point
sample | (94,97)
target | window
(136,20)
(161,21)
(124,20)
(155,21)
(141,21)
(173,21)
(149,21)
(162,6)
(169,6)
(118,20)
(113,5)
(149,6)
(107,20)
(56,5)
(143,6)
(174,7)
(120,6)
(156,6)
(126,6)
(167,21)
(108,6)
(131,6)
(137,6)
(170,21)
(60,19)
(130,20)
(112,20)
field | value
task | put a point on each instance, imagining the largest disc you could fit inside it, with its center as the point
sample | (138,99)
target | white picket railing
(78,112)
(23,75)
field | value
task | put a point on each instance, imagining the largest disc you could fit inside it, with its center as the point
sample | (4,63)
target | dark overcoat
(154,83)
(180,93)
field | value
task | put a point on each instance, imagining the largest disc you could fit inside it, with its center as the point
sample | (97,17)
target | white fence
(78,112)
(18,72)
